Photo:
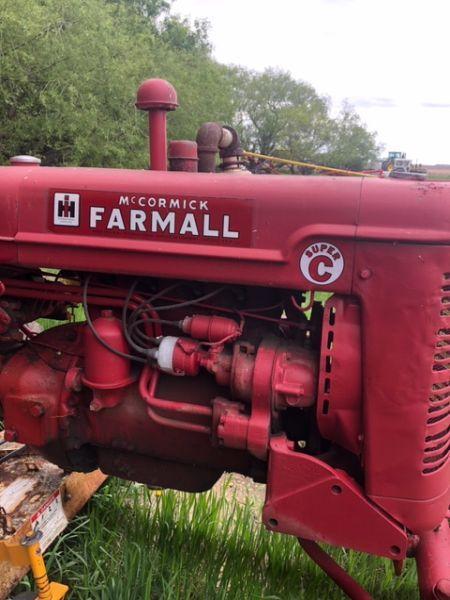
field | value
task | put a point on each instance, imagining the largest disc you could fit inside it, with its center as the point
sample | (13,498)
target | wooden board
(33,491)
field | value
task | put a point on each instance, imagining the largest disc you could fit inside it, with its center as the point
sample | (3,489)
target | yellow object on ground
(46,590)
(35,496)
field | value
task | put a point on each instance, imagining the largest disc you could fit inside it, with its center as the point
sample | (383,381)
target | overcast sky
(389,58)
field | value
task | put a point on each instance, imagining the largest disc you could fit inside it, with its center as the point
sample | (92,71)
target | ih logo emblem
(321,263)
(66,209)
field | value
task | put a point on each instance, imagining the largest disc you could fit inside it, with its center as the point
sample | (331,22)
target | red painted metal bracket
(311,500)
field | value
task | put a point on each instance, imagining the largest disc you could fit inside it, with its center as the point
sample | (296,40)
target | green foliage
(69,73)
(66,83)
(179,34)
(284,117)
(279,115)
(350,145)
(145,8)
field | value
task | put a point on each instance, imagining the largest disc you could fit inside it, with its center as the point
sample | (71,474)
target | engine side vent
(437,439)
(339,387)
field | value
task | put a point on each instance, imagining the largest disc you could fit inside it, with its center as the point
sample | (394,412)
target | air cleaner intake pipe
(157,97)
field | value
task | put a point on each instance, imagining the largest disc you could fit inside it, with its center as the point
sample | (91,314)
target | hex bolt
(293,400)
(365,273)
(37,410)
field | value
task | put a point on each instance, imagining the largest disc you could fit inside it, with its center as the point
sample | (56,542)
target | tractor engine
(192,377)
(170,325)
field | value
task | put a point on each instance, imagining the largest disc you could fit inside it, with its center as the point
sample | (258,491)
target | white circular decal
(321,263)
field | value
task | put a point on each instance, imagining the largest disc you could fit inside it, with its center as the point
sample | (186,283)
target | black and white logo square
(66,209)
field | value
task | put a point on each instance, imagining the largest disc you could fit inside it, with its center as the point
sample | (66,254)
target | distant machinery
(400,167)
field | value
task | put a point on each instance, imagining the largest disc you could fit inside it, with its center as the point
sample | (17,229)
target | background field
(439,172)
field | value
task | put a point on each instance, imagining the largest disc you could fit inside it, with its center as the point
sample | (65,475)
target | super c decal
(321,263)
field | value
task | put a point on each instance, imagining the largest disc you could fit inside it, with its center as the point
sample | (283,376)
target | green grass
(134,543)
(75,315)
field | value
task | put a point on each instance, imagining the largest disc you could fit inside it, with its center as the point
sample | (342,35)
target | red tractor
(199,356)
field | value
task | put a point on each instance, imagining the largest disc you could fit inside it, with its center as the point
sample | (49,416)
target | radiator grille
(437,439)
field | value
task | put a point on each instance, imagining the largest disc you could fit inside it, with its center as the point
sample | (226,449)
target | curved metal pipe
(209,137)
(231,151)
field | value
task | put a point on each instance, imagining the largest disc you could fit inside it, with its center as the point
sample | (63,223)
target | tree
(179,34)
(69,75)
(146,8)
(67,81)
(351,146)
(280,116)
(69,72)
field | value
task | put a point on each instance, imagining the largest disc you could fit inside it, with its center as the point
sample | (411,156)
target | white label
(66,209)
(50,520)
(321,263)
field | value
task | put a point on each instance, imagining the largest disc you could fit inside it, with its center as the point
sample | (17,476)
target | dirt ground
(242,489)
